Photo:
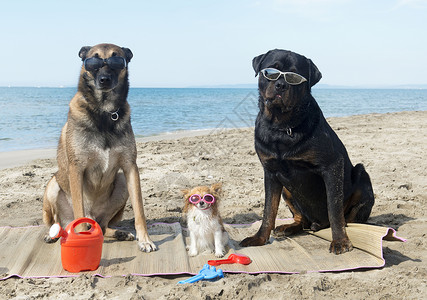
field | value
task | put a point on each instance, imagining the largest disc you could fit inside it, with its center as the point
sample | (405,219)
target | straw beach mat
(24,254)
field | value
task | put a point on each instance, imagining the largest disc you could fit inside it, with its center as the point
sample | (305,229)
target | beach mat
(24,254)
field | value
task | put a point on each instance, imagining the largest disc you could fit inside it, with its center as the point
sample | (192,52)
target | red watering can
(80,251)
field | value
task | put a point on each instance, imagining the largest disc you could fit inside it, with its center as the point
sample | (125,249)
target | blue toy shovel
(207,273)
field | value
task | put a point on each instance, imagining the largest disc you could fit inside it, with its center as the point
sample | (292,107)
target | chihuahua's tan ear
(216,188)
(185,192)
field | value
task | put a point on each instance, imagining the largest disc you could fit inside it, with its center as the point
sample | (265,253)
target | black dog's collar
(288,131)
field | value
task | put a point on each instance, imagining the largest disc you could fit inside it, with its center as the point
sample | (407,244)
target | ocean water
(33,117)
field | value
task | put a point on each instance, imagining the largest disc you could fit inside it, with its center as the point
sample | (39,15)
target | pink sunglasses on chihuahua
(208,198)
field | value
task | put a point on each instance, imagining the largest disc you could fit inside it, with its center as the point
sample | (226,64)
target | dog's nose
(105,79)
(280,85)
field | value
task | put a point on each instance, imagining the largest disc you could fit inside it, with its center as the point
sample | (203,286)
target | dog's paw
(147,246)
(252,241)
(49,240)
(341,246)
(121,235)
(192,252)
(220,253)
(287,229)
(316,226)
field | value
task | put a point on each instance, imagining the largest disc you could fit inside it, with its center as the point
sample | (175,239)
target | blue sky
(197,43)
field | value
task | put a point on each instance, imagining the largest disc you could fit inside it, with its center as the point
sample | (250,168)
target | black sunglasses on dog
(96,63)
(290,77)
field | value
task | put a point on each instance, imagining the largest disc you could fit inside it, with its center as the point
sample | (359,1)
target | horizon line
(245,86)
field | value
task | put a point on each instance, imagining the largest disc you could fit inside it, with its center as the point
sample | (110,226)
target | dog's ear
(314,73)
(185,192)
(83,52)
(256,63)
(216,188)
(128,54)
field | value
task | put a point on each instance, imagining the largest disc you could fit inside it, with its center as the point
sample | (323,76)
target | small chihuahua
(207,231)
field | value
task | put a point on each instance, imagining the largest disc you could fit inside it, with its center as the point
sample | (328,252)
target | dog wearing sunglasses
(303,158)
(204,222)
(97,170)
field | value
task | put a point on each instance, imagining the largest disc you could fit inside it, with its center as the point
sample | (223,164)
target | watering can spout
(56,231)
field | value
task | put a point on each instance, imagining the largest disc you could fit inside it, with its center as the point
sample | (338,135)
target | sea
(32,117)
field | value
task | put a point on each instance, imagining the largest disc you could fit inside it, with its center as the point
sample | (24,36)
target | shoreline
(16,158)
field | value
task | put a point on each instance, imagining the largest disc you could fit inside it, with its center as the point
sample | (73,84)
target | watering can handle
(95,229)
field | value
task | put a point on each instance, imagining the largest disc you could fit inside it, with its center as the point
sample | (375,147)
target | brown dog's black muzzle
(105,80)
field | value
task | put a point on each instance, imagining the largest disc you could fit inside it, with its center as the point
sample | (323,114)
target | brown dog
(97,170)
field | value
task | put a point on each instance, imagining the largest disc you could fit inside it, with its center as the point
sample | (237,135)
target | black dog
(302,157)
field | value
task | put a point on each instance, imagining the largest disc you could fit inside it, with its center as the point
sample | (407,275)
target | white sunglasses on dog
(290,77)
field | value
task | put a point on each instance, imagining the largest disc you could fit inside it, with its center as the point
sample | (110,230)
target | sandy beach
(391,146)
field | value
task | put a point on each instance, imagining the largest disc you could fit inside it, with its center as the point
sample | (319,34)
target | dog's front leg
(334,182)
(192,248)
(134,188)
(273,190)
(220,241)
(76,188)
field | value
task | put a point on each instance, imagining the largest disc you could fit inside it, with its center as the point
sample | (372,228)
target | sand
(391,146)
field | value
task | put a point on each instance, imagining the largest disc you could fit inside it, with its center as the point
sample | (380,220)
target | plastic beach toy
(232,259)
(206,273)
(80,251)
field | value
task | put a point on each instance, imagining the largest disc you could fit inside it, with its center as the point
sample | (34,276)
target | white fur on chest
(202,223)
(102,158)
(101,168)
(94,156)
